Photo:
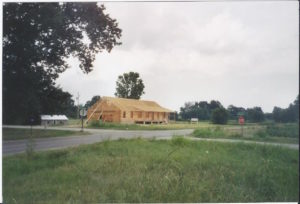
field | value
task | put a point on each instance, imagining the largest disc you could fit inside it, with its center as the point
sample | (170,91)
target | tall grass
(283,130)
(271,132)
(169,126)
(153,171)
(20,133)
(216,132)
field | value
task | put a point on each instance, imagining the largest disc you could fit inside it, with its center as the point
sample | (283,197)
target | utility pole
(77,98)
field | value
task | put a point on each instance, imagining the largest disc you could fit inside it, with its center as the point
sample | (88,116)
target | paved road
(98,135)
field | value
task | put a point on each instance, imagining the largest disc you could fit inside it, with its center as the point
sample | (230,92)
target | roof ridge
(141,105)
(126,99)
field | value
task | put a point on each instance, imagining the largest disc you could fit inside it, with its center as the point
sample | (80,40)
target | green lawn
(169,126)
(140,170)
(280,133)
(18,133)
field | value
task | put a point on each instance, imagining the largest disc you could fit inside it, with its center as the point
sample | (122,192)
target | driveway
(98,135)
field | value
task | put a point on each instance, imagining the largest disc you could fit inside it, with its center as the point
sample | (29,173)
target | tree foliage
(37,40)
(129,85)
(234,112)
(290,114)
(219,116)
(255,114)
(92,101)
(201,110)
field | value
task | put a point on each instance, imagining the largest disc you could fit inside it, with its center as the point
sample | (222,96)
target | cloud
(241,53)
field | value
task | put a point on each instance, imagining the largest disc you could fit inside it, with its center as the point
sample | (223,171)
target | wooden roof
(136,105)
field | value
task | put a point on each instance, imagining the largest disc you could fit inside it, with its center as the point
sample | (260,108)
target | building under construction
(121,110)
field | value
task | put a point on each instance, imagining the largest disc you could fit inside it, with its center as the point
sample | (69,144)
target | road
(98,135)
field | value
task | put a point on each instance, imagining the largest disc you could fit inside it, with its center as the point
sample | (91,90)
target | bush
(219,116)
(283,130)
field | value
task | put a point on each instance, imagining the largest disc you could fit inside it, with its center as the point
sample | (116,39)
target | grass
(169,126)
(18,133)
(140,170)
(281,133)
(74,123)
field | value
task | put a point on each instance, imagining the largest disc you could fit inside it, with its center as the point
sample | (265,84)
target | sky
(240,53)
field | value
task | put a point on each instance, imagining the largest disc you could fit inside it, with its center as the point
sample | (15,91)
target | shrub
(283,130)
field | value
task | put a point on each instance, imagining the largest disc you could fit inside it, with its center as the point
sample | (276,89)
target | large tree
(130,85)
(37,40)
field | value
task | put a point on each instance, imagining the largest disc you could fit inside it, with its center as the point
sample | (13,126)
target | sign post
(241,122)
(82,114)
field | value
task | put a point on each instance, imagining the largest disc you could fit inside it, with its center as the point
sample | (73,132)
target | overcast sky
(240,53)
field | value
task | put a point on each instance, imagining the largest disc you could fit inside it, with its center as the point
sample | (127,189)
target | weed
(130,171)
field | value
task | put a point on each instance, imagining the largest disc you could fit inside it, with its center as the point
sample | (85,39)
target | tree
(37,40)
(91,102)
(268,116)
(255,114)
(129,85)
(57,101)
(290,114)
(201,110)
(234,111)
(219,116)
(214,104)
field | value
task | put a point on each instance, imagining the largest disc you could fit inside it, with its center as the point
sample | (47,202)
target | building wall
(141,117)
(106,111)
(53,122)
(111,113)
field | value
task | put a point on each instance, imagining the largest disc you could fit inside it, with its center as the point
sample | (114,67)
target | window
(124,114)
(164,115)
(147,114)
(131,114)
(139,114)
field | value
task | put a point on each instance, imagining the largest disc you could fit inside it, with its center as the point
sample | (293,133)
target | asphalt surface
(98,135)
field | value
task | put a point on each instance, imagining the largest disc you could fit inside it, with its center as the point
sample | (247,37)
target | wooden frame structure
(129,111)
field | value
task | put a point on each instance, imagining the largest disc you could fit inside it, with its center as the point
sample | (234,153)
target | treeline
(216,112)
(285,115)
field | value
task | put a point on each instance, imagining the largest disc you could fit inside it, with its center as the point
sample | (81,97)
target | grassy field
(282,133)
(169,126)
(18,133)
(139,170)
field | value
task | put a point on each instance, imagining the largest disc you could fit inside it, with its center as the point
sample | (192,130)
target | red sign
(241,120)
